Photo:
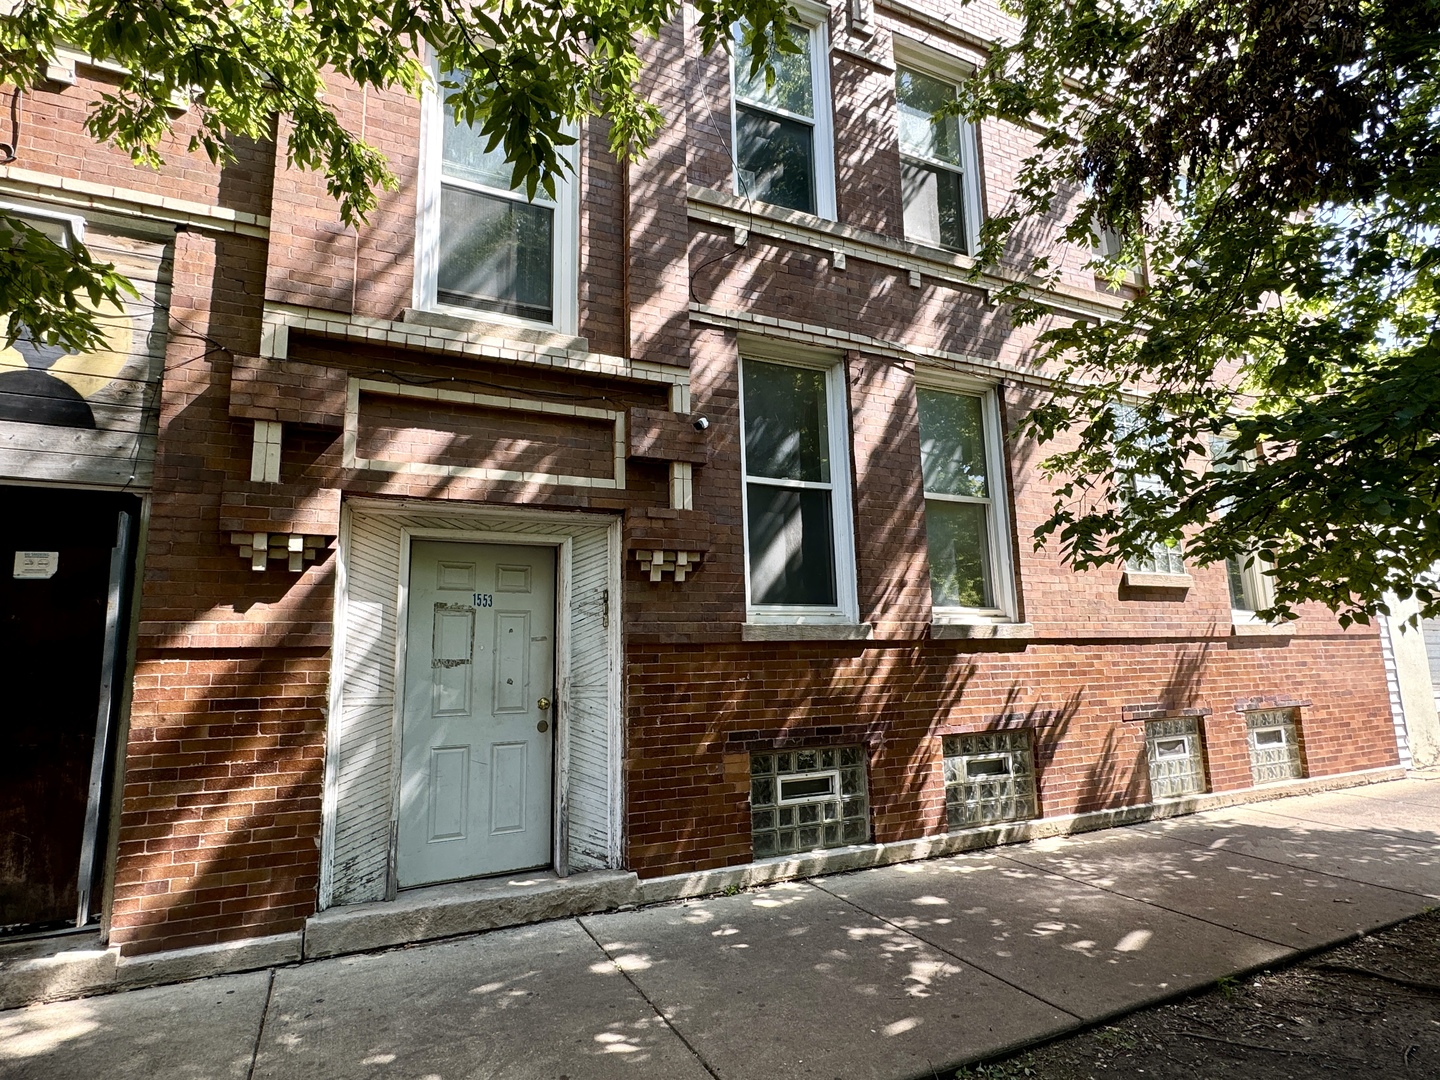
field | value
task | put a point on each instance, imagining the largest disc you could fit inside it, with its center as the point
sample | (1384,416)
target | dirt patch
(1371,1008)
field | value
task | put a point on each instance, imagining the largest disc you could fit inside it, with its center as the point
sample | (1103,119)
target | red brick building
(668,527)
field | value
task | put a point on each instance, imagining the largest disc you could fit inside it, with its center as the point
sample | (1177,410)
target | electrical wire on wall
(745,194)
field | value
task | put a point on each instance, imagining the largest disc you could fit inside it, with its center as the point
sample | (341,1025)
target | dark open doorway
(66,568)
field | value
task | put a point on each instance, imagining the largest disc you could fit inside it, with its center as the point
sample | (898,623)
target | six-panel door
(478,724)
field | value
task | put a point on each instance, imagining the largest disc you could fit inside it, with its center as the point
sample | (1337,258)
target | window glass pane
(995,766)
(805,787)
(934,205)
(787,428)
(776,159)
(959,554)
(791,555)
(495,254)
(919,97)
(793,89)
(1161,559)
(463,155)
(1239,594)
(952,444)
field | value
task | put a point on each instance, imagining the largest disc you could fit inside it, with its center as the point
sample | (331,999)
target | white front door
(477,730)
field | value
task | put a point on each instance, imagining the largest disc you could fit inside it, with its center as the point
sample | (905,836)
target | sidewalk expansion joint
(646,998)
(260,1028)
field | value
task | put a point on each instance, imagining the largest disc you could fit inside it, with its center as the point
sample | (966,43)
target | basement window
(1273,735)
(1177,764)
(801,800)
(989,778)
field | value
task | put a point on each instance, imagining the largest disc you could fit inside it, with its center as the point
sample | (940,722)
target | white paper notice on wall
(36,564)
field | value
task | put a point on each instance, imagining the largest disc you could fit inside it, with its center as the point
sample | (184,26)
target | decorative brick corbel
(663,541)
(279,521)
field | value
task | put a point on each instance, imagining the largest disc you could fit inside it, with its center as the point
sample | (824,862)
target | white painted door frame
(600,842)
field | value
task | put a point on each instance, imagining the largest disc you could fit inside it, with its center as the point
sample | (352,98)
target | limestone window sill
(1246,628)
(1138,579)
(981,630)
(753,631)
(478,326)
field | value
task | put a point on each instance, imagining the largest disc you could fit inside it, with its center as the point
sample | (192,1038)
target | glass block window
(801,800)
(1160,556)
(1274,740)
(1177,765)
(989,778)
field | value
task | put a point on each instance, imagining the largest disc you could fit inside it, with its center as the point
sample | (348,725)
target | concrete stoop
(77,964)
(468,907)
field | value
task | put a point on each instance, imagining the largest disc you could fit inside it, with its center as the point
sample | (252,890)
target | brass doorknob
(543,704)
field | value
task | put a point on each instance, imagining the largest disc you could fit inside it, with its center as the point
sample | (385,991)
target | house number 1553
(484,599)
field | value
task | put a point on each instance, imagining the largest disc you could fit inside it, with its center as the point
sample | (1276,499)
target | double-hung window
(1161,557)
(938,174)
(1251,589)
(783,152)
(484,249)
(965,520)
(798,543)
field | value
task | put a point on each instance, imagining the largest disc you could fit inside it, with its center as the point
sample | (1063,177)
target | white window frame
(1278,729)
(1186,749)
(1257,585)
(1002,567)
(1006,757)
(814,19)
(565,258)
(1133,482)
(833,795)
(951,69)
(1255,581)
(842,526)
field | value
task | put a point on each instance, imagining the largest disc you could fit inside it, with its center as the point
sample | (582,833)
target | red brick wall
(696,712)
(53,141)
(220,818)
(469,436)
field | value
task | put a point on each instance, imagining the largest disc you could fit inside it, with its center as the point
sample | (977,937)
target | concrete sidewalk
(902,971)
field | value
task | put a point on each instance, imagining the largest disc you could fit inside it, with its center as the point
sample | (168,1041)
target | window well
(989,778)
(801,800)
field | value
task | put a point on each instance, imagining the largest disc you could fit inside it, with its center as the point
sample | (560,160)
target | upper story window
(965,520)
(1161,556)
(938,181)
(782,140)
(483,248)
(799,556)
(1251,588)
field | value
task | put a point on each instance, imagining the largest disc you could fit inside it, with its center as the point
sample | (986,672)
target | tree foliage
(526,71)
(1275,168)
